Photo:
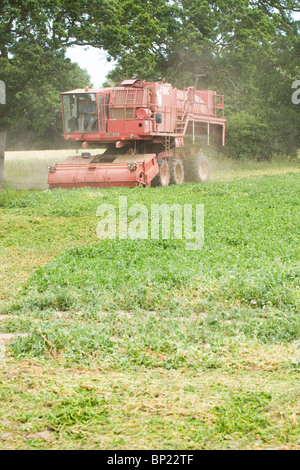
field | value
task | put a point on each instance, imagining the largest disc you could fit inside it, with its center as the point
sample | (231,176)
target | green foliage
(79,409)
(150,27)
(214,366)
(53,25)
(173,35)
(248,137)
(33,40)
(244,413)
(154,303)
(33,94)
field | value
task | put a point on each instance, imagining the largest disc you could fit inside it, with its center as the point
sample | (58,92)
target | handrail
(201,103)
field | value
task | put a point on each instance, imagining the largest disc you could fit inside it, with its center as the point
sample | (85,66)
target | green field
(143,344)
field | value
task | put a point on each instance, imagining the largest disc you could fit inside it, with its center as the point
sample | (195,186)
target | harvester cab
(80,113)
(152,134)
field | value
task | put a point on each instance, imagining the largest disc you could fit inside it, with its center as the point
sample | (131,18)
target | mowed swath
(122,309)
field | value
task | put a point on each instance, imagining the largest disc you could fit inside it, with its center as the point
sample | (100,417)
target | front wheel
(197,169)
(176,171)
(163,176)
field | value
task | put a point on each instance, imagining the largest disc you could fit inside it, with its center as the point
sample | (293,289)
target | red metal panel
(208,97)
(166,105)
(102,175)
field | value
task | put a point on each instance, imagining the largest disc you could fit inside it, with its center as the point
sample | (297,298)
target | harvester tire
(163,176)
(176,171)
(197,169)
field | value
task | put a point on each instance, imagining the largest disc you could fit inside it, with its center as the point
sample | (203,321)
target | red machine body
(151,132)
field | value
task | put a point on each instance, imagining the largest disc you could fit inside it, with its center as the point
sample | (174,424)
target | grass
(47,406)
(142,343)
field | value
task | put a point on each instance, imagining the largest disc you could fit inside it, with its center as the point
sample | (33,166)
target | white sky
(93,60)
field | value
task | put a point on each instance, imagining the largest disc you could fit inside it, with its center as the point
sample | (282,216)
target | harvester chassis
(152,132)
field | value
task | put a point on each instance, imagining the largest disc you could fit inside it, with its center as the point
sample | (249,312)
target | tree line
(247,50)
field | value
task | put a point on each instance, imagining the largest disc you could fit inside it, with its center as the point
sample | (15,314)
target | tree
(34,79)
(165,37)
(152,27)
(55,25)
(34,35)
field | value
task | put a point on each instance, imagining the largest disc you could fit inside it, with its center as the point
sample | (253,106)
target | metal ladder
(181,120)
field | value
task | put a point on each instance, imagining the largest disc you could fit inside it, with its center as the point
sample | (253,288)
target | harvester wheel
(176,171)
(197,169)
(163,177)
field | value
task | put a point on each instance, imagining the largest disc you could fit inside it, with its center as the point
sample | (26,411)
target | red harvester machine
(152,133)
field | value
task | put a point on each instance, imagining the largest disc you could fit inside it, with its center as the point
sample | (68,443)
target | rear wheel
(163,176)
(176,171)
(197,169)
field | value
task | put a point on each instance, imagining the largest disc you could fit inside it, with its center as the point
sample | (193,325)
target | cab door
(103,100)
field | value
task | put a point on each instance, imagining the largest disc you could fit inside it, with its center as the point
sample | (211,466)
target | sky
(93,60)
